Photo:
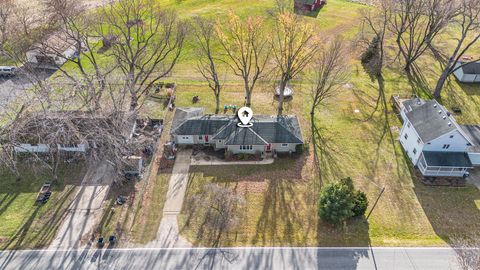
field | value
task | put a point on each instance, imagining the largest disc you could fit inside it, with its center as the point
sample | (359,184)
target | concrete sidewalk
(168,234)
(234,258)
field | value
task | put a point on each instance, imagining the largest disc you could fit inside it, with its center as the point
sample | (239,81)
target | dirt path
(86,209)
(168,234)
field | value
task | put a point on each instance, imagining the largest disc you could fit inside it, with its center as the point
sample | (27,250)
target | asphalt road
(234,258)
(12,88)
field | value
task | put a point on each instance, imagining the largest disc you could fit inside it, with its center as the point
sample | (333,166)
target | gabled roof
(431,120)
(471,68)
(447,159)
(182,114)
(265,129)
(204,125)
(245,136)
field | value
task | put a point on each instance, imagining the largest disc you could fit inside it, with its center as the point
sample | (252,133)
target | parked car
(6,71)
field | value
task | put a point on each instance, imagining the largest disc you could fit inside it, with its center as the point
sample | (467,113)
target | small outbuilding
(310,5)
(468,73)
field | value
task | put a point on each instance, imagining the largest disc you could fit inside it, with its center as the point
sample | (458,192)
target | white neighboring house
(435,142)
(467,73)
(39,133)
(53,52)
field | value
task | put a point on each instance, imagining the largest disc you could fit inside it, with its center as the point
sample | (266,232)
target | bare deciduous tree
(331,72)
(220,211)
(467,251)
(6,10)
(416,23)
(246,48)
(294,46)
(468,22)
(374,27)
(148,43)
(208,62)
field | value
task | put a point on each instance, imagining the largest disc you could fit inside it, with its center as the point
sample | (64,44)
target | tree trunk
(281,97)
(133,102)
(248,101)
(217,103)
(441,83)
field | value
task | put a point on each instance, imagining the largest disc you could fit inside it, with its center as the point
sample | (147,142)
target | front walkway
(168,234)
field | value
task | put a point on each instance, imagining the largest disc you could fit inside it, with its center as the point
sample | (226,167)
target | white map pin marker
(245,114)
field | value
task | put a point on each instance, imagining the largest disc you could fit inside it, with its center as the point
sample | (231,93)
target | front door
(206,138)
(269,147)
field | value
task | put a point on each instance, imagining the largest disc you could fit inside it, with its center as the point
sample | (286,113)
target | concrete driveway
(168,234)
(86,209)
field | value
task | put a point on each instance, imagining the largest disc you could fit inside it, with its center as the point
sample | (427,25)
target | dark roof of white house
(473,132)
(431,120)
(265,129)
(447,159)
(471,68)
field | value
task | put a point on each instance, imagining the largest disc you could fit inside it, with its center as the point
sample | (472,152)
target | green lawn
(280,209)
(23,224)
(281,198)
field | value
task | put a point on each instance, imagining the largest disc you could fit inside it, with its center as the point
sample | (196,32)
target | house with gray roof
(467,72)
(435,142)
(268,134)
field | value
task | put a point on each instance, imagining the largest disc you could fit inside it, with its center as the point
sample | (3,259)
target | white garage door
(474,158)
(185,139)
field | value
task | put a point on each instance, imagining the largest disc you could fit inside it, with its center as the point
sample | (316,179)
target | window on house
(414,151)
(408,124)
(246,147)
(469,144)
(451,136)
(406,136)
(418,140)
(446,146)
(284,144)
(200,137)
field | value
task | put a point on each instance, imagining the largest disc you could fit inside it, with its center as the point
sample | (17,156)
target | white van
(6,71)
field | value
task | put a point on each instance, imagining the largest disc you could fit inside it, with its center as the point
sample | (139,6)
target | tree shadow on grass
(418,82)
(326,156)
(284,218)
(451,211)
(38,228)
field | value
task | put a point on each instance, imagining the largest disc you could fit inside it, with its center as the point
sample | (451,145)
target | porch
(449,164)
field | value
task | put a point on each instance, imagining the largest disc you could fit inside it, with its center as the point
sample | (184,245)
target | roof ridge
(293,134)
(258,135)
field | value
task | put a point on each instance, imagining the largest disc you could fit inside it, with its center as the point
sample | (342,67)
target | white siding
(219,144)
(469,78)
(184,139)
(459,74)
(456,144)
(72,148)
(28,148)
(255,148)
(411,144)
(474,158)
(283,149)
